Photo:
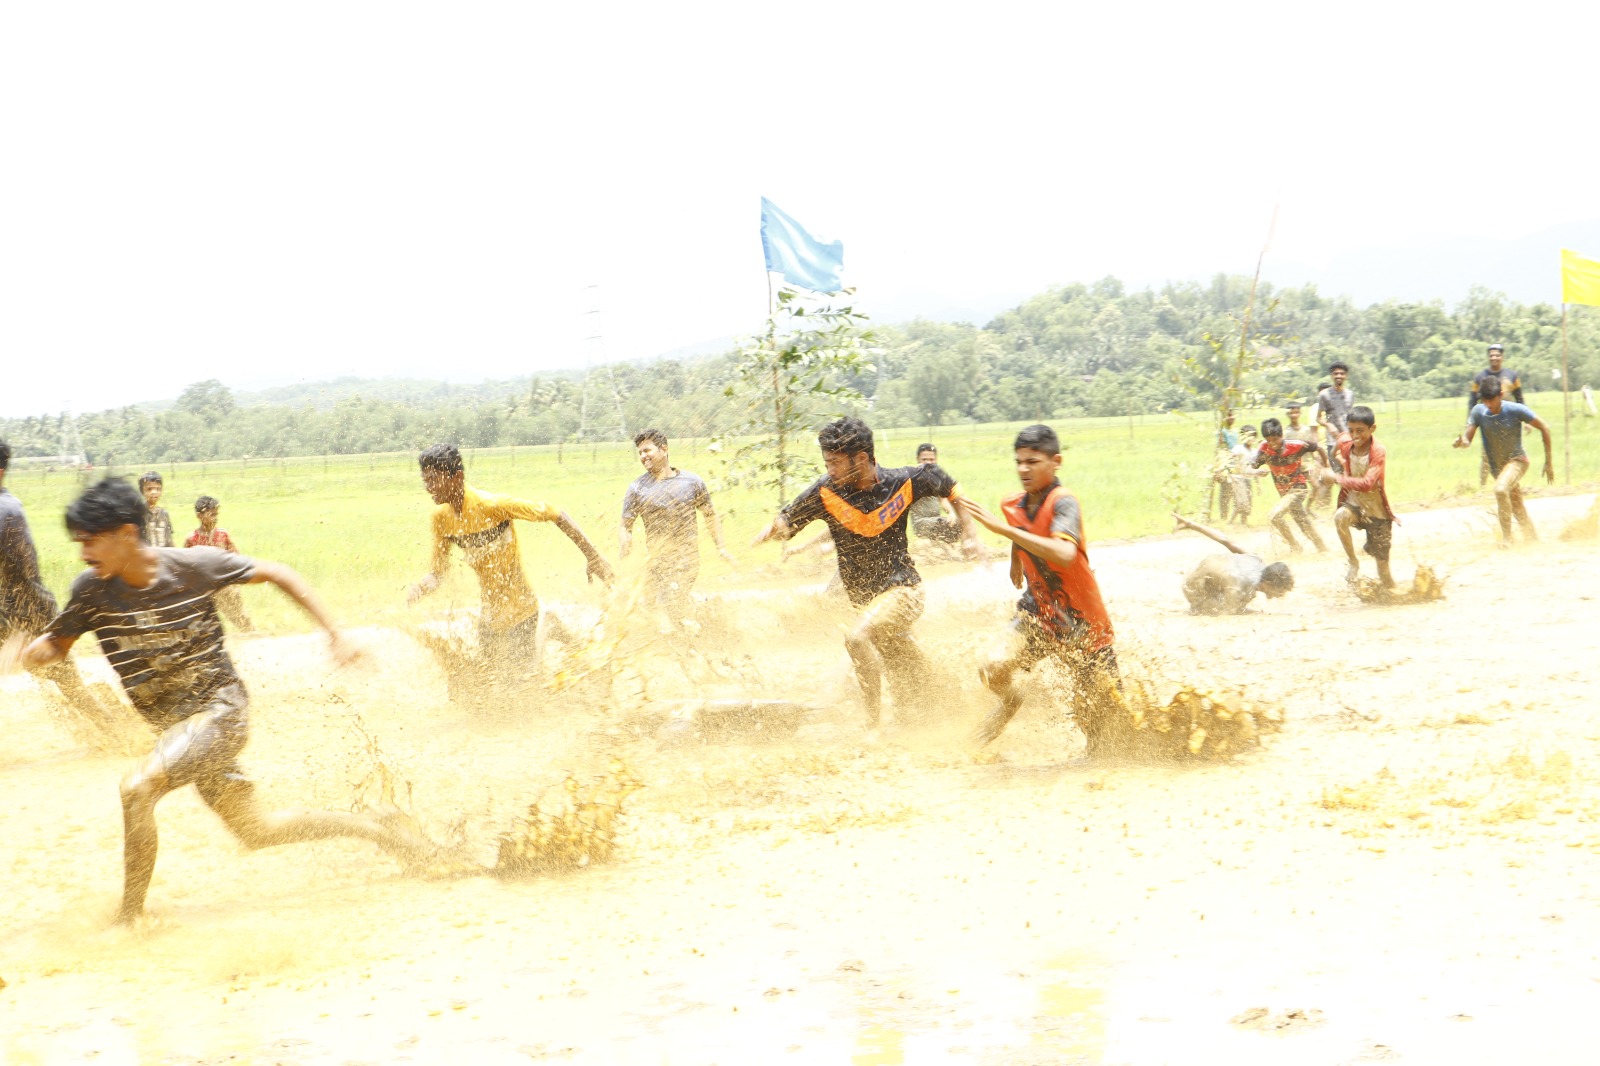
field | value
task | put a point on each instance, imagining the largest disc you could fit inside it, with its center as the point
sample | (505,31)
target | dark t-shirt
(25,604)
(1510,386)
(158,528)
(164,640)
(869,525)
(668,509)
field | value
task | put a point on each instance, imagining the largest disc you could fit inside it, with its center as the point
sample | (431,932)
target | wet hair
(5,455)
(441,459)
(1338,366)
(1278,577)
(147,478)
(1039,438)
(1271,427)
(846,436)
(654,436)
(1248,431)
(206,503)
(1362,414)
(106,506)
(926,448)
(1490,388)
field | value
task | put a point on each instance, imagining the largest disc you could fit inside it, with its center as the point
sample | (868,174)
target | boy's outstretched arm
(299,590)
(598,567)
(19,653)
(1549,462)
(1056,550)
(1208,531)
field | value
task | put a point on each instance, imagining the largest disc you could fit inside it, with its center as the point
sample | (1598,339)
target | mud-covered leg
(882,638)
(869,672)
(142,789)
(1100,707)
(1017,652)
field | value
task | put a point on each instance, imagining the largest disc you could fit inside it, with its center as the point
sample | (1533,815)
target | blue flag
(797,255)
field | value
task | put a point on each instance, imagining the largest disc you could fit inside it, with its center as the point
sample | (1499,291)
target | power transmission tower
(594,353)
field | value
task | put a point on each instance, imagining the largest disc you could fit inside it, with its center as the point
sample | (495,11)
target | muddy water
(1408,872)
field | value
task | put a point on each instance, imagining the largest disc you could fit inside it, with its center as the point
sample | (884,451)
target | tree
(209,400)
(790,379)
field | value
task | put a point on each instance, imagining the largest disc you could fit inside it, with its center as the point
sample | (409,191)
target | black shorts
(201,745)
(1380,534)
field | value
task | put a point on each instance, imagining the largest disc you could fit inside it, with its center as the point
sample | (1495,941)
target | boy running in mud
(210,535)
(866,508)
(480,524)
(1510,381)
(1286,460)
(1061,613)
(153,612)
(668,499)
(1363,497)
(1227,584)
(158,527)
(1502,423)
(26,606)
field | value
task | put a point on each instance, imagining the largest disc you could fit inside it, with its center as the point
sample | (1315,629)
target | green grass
(357,526)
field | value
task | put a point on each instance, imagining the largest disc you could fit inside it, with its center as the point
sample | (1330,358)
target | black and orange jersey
(869,525)
(484,532)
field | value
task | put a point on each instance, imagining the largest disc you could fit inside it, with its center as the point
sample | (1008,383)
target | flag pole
(1566,405)
(770,308)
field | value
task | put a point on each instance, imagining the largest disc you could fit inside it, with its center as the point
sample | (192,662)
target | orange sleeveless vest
(1068,598)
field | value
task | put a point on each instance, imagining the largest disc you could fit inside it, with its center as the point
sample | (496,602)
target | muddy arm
(1184,523)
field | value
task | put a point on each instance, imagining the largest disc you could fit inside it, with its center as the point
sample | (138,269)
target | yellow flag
(1580,279)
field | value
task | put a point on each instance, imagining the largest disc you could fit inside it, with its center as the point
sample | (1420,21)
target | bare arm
(430,582)
(625,537)
(714,527)
(20,653)
(1549,463)
(291,584)
(1057,550)
(778,530)
(969,531)
(598,567)
(1208,531)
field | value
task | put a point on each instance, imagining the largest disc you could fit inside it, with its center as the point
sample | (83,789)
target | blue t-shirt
(1502,433)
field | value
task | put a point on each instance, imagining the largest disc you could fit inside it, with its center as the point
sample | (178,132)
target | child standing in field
(153,611)
(210,535)
(1363,495)
(158,524)
(1061,613)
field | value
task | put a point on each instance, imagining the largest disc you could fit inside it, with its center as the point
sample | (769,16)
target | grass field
(357,526)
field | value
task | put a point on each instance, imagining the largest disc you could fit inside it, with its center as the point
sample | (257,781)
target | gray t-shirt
(25,604)
(1224,584)
(668,509)
(163,640)
(1335,404)
(1502,433)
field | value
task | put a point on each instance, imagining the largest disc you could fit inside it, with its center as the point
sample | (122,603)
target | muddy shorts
(511,651)
(1380,534)
(892,612)
(200,744)
(671,584)
(1027,644)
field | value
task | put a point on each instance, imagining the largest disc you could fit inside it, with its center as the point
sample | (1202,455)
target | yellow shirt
(488,541)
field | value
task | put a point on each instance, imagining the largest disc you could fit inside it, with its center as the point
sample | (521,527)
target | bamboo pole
(1566,406)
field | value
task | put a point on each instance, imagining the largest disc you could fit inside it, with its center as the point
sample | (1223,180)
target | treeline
(1071,351)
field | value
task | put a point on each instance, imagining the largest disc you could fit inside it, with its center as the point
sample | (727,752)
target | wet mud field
(1409,871)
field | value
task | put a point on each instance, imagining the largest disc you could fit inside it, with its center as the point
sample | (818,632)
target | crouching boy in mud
(1061,613)
(154,613)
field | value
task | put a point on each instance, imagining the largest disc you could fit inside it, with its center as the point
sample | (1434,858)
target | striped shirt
(163,640)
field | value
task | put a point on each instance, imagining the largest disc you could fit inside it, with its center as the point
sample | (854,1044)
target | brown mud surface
(1410,871)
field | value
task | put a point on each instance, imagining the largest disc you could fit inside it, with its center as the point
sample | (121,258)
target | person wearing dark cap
(1510,386)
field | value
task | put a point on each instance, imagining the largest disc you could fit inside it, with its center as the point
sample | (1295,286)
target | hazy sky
(264,193)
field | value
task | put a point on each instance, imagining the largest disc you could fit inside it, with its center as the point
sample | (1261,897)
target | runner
(209,535)
(931,518)
(26,605)
(1061,613)
(1227,584)
(158,527)
(1363,495)
(480,524)
(1286,460)
(867,507)
(1502,423)
(667,499)
(153,612)
(1298,430)
(1510,381)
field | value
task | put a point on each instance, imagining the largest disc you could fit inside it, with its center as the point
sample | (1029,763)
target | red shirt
(1286,463)
(217,538)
